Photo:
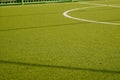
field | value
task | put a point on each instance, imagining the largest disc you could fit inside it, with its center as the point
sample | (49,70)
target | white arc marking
(86,20)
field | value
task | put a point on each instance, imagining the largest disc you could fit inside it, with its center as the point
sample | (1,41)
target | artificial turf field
(37,42)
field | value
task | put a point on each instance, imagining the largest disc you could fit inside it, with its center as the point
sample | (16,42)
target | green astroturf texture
(38,43)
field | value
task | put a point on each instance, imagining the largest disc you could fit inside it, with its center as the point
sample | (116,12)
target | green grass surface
(38,43)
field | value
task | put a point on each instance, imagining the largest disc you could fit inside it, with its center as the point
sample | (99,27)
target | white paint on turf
(99,4)
(87,20)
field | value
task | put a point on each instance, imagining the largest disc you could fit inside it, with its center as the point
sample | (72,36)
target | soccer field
(60,41)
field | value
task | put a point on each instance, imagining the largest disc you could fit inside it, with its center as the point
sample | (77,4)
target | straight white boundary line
(99,4)
(86,20)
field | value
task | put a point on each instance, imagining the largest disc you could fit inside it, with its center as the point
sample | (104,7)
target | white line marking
(99,4)
(86,20)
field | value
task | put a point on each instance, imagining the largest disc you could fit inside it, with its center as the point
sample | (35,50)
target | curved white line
(86,20)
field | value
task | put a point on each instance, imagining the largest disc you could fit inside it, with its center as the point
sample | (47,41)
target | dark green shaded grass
(38,43)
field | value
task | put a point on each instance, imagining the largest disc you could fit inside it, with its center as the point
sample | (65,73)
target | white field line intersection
(86,20)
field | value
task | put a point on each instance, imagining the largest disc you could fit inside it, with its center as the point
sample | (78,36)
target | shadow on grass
(49,26)
(57,25)
(32,14)
(59,67)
